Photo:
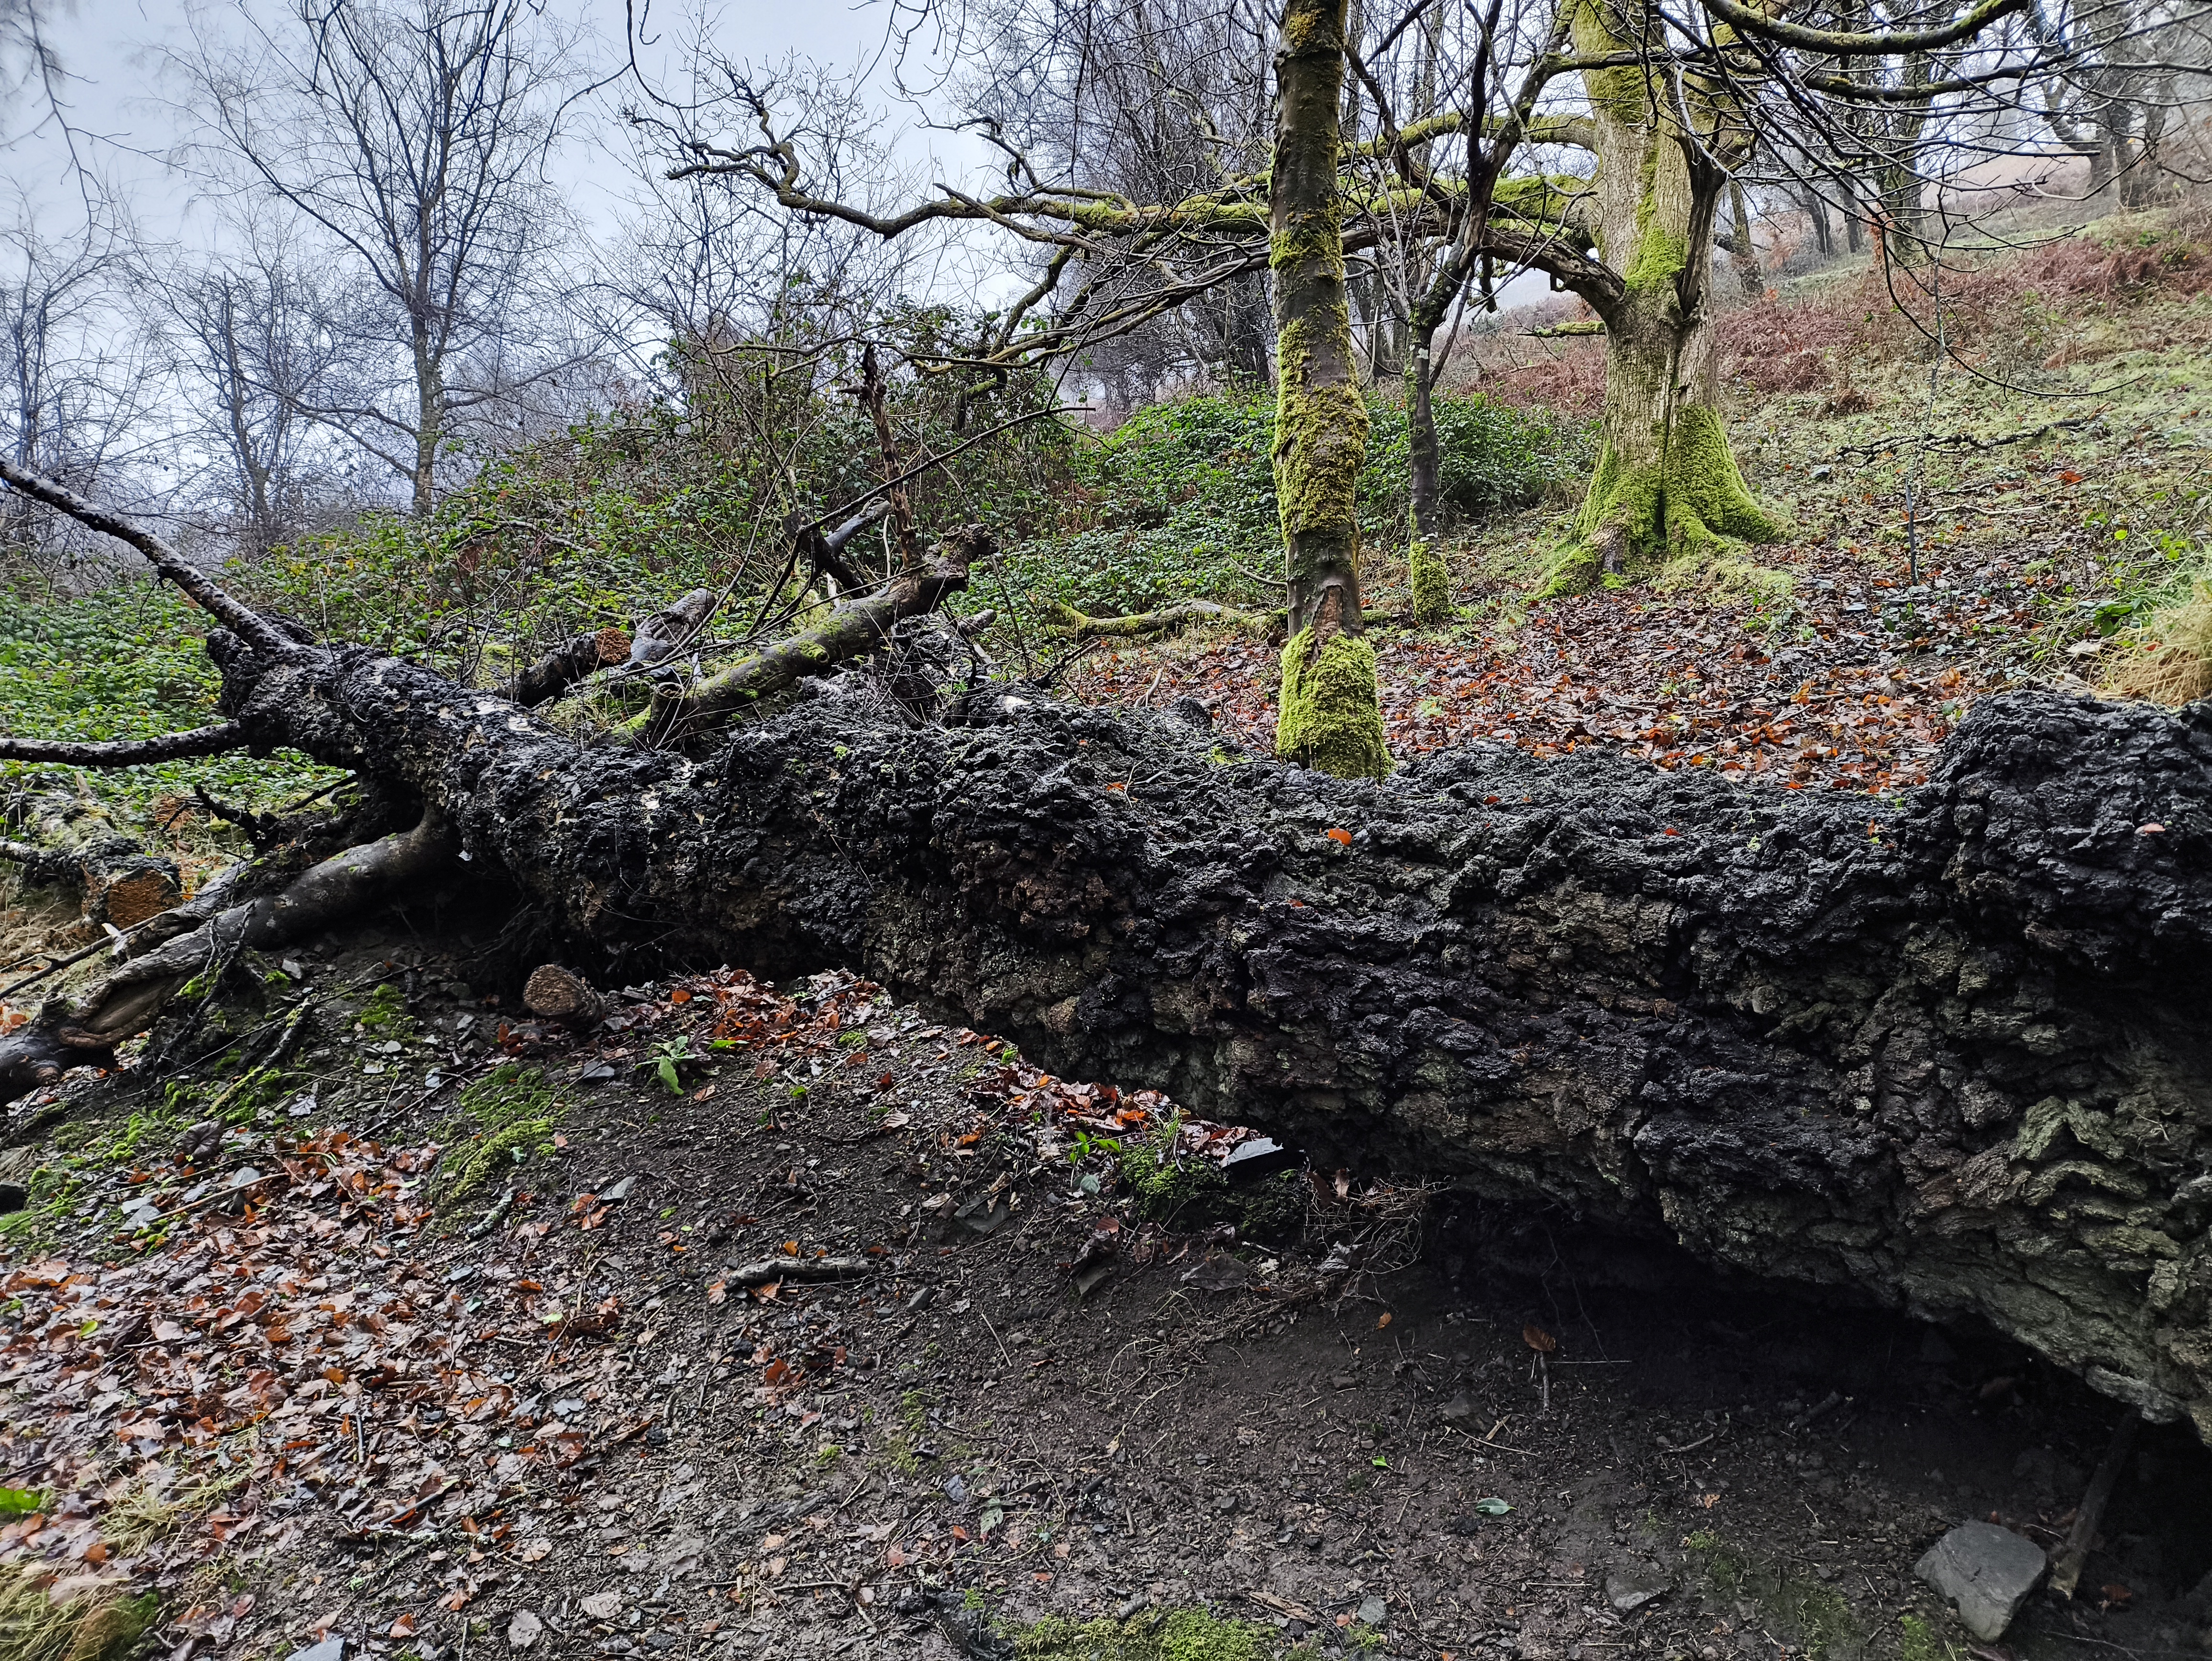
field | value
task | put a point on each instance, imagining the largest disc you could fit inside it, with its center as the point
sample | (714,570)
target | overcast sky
(118,98)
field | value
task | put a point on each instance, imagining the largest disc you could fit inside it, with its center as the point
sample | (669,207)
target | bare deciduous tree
(253,352)
(414,134)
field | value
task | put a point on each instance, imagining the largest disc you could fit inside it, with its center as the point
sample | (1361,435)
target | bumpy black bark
(1948,1053)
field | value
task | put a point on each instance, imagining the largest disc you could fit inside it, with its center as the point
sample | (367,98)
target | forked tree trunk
(1330,714)
(1666,485)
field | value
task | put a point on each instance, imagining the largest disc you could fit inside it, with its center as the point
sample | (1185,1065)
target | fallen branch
(125,753)
(853,629)
(567,663)
(1167,618)
(234,614)
(796,1269)
(2066,1568)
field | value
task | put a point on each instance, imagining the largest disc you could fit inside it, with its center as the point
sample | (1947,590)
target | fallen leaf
(1538,1340)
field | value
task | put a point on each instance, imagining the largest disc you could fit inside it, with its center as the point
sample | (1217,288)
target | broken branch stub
(71,843)
(561,994)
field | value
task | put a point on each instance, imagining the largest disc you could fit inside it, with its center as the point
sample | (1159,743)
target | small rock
(330,1649)
(1987,1573)
(1458,1411)
(619,1192)
(525,1629)
(603,1605)
(1632,1584)
(1224,1502)
(1341,1381)
(1372,1610)
(1636,1584)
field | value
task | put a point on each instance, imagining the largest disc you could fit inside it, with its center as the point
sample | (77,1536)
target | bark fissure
(1948,1058)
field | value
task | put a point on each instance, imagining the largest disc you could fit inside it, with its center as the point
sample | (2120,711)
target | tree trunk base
(1330,713)
(1674,512)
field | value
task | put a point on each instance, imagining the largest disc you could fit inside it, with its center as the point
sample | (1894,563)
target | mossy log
(848,629)
(1164,620)
(1948,1056)
(59,840)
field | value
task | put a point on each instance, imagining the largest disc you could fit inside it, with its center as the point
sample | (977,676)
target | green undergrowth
(506,1119)
(1178,1635)
(1179,501)
(84,1156)
(1807,1611)
(128,662)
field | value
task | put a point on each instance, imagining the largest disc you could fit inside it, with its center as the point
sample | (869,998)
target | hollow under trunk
(1948,1056)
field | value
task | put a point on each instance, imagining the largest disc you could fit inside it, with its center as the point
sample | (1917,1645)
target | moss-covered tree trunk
(1331,714)
(1666,483)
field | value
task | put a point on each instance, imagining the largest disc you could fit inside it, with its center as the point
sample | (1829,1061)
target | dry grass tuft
(158,1502)
(82,1618)
(2173,663)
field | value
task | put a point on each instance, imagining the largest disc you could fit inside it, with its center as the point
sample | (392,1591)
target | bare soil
(596,1406)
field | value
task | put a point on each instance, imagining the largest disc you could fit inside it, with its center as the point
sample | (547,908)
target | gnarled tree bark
(1950,1057)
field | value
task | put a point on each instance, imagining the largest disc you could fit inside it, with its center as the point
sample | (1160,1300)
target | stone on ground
(1986,1573)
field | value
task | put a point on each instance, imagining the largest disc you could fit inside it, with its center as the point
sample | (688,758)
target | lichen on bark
(1329,717)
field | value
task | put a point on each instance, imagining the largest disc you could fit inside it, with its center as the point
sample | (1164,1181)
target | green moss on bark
(1658,513)
(1430,583)
(1320,437)
(1331,715)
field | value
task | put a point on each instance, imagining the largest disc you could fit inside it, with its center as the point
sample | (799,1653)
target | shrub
(1180,501)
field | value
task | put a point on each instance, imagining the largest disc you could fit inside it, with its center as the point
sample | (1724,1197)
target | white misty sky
(117,99)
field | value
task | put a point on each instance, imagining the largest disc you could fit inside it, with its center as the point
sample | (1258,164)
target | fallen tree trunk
(1949,1055)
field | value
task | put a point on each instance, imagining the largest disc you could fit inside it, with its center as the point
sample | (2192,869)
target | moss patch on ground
(1812,1614)
(1181,1635)
(1194,1192)
(507,1116)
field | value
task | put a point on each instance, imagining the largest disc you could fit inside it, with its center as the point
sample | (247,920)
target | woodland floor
(301,1386)
(305,1386)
